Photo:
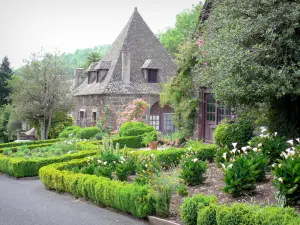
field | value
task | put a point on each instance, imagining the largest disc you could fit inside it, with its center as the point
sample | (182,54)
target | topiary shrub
(190,207)
(69,131)
(134,129)
(88,132)
(240,132)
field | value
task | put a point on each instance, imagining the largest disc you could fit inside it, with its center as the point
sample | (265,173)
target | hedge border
(20,167)
(126,197)
(16,144)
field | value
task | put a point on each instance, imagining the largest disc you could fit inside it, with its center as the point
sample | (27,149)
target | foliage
(135,111)
(185,26)
(134,129)
(190,206)
(21,167)
(126,167)
(182,190)
(129,198)
(91,58)
(239,132)
(207,215)
(70,131)
(5,76)
(287,175)
(179,92)
(6,134)
(28,143)
(149,138)
(104,121)
(146,168)
(202,150)
(87,132)
(271,145)
(192,169)
(40,90)
(252,54)
(241,174)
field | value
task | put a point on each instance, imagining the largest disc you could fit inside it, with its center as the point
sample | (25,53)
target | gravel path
(27,202)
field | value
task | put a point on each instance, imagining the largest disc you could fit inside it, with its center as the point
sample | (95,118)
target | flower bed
(21,167)
(130,198)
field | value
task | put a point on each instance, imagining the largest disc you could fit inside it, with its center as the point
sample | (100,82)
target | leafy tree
(185,27)
(40,90)
(5,133)
(5,76)
(250,55)
(92,57)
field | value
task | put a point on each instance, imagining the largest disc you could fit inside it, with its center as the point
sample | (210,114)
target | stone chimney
(79,76)
(126,68)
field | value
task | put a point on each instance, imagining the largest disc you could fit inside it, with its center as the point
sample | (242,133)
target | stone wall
(90,104)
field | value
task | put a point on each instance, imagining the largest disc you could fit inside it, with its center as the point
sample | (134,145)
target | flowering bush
(270,144)
(126,167)
(147,167)
(104,122)
(287,174)
(135,111)
(192,169)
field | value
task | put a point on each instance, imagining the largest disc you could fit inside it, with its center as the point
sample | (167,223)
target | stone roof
(92,67)
(145,50)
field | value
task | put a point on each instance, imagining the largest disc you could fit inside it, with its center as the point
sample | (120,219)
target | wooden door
(210,117)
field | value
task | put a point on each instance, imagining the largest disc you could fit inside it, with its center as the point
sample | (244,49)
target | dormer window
(101,74)
(92,76)
(152,75)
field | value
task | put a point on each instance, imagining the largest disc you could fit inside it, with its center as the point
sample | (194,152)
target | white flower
(284,154)
(152,155)
(234,150)
(275,134)
(244,148)
(195,160)
(189,148)
(279,165)
(69,152)
(146,165)
(263,129)
(291,142)
(298,139)
(280,179)
(122,159)
(255,149)
(224,155)
(104,163)
(223,165)
(273,165)
(234,145)
(229,166)
(99,161)
(259,145)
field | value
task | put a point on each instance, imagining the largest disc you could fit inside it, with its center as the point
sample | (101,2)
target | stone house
(135,67)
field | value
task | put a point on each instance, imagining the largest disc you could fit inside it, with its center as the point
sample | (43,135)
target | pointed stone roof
(145,50)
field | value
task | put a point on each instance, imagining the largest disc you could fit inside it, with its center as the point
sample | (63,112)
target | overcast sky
(29,25)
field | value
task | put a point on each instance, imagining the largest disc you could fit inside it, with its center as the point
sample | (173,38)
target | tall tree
(250,55)
(40,89)
(92,57)
(5,76)
(185,26)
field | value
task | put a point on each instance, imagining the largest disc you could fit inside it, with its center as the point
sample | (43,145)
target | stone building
(136,67)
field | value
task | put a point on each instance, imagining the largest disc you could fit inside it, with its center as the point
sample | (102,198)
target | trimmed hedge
(20,167)
(71,130)
(14,149)
(210,213)
(16,144)
(129,198)
(88,132)
(171,157)
(129,129)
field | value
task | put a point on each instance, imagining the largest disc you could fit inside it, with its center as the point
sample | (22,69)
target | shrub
(129,198)
(88,132)
(192,169)
(241,131)
(191,205)
(207,215)
(182,190)
(240,176)
(69,131)
(135,129)
(207,153)
(271,145)
(287,176)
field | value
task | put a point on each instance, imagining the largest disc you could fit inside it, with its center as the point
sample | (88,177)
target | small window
(94,116)
(152,76)
(154,121)
(81,115)
(101,74)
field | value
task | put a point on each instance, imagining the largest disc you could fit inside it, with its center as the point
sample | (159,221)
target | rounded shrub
(240,131)
(88,132)
(135,129)
(69,131)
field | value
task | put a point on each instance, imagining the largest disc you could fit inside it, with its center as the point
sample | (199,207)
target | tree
(186,24)
(5,76)
(40,90)
(250,55)
(92,57)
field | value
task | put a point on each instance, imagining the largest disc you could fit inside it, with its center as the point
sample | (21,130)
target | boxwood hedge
(20,167)
(129,198)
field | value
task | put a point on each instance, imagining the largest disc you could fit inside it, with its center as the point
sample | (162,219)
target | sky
(27,26)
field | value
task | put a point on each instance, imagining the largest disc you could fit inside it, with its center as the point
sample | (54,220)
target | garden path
(27,202)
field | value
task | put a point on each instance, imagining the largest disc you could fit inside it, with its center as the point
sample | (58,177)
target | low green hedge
(129,129)
(16,144)
(208,212)
(171,157)
(20,167)
(88,132)
(129,198)
(14,149)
